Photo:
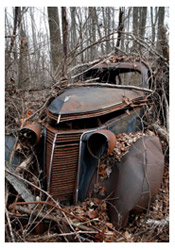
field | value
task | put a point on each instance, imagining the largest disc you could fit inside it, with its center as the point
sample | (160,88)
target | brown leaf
(102,166)
(92,214)
(102,207)
(102,172)
(126,100)
(100,236)
(102,191)
(28,112)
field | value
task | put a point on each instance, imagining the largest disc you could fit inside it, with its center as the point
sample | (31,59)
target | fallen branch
(18,184)
(81,84)
(25,163)
(159,223)
(52,236)
(161,132)
(9,225)
(35,212)
(12,206)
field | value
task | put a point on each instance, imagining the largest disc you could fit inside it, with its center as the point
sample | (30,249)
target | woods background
(42,42)
(43,47)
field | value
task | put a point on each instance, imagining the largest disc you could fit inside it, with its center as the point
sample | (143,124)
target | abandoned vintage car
(84,124)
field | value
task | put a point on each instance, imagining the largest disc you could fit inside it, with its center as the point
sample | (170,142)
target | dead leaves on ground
(91,223)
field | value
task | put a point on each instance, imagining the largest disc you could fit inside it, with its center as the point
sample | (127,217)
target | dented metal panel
(84,102)
(134,181)
(125,123)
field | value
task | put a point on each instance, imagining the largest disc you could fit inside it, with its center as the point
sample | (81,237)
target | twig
(12,206)
(38,111)
(24,164)
(146,46)
(161,132)
(108,85)
(51,236)
(116,231)
(157,223)
(19,185)
(36,212)
(9,225)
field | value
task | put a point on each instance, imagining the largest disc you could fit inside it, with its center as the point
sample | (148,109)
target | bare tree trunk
(98,25)
(49,68)
(35,66)
(16,24)
(164,43)
(92,17)
(73,35)
(161,15)
(65,40)
(135,20)
(113,27)
(108,14)
(128,29)
(79,16)
(87,54)
(23,72)
(135,24)
(55,39)
(105,25)
(153,23)
(120,28)
(10,48)
(73,38)
(143,18)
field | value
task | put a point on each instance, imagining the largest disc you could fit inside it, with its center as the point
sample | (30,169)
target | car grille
(62,152)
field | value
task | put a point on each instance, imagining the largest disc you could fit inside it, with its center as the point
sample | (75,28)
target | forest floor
(86,222)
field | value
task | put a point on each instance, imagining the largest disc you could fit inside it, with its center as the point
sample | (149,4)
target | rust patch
(30,134)
(101,143)
(96,101)
(129,181)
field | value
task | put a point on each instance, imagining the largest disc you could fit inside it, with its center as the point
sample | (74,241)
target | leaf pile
(123,143)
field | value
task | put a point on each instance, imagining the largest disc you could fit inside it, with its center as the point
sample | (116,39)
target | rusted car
(84,125)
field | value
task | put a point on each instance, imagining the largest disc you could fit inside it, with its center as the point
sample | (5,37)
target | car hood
(88,101)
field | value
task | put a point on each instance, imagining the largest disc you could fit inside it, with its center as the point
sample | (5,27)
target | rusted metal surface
(106,72)
(124,123)
(85,102)
(101,143)
(130,66)
(64,146)
(134,181)
(30,134)
(62,152)
(74,149)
